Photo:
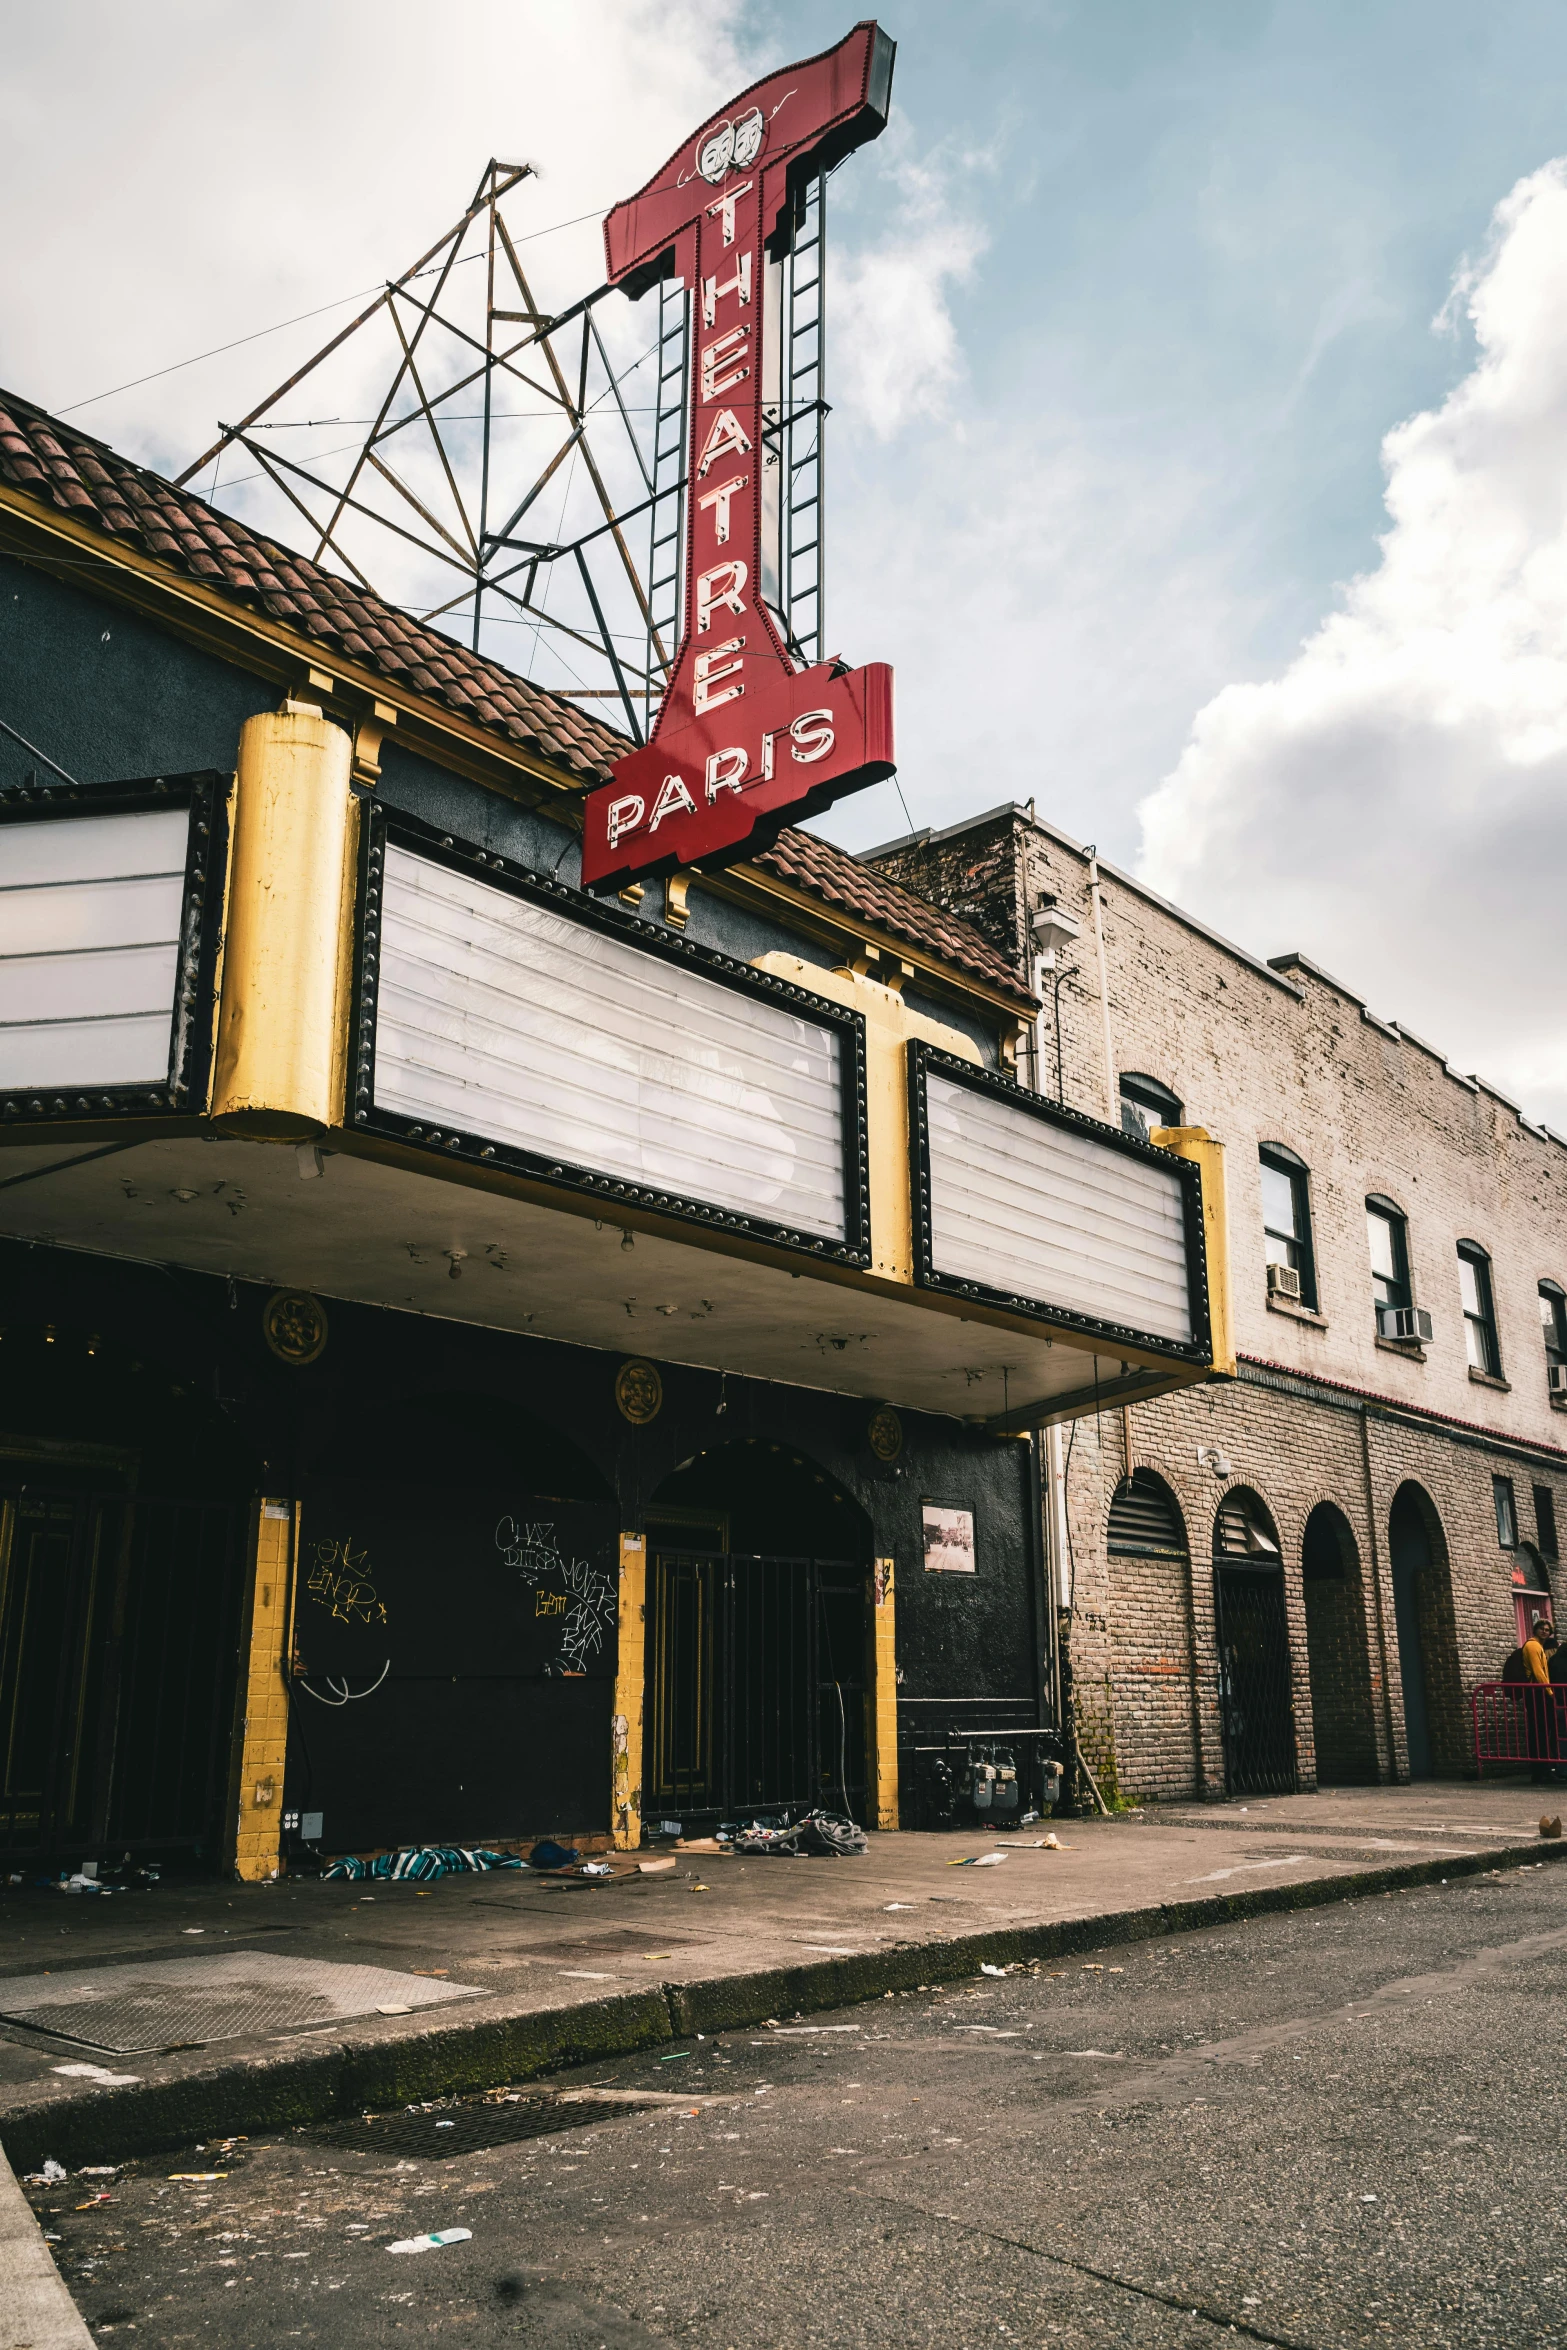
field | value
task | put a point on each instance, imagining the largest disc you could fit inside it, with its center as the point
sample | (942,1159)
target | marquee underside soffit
(384,1236)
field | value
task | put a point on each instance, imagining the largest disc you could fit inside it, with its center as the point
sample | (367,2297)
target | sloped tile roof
(828,873)
(58,466)
(85,479)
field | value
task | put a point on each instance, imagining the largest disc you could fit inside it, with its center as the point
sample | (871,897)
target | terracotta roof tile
(841,880)
(51,461)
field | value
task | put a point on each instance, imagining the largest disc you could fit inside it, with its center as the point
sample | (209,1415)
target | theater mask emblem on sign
(750,737)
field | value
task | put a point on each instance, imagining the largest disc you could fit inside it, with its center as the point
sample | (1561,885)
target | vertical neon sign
(747,740)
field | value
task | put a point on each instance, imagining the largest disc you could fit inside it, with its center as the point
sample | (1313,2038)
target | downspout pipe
(1112,1084)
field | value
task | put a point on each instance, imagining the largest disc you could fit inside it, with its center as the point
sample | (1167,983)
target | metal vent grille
(1144,1520)
(186,2002)
(1243,1531)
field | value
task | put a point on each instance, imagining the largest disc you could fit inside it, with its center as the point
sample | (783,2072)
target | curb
(256,2095)
(38,2312)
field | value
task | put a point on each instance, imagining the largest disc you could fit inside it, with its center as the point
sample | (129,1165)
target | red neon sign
(746,740)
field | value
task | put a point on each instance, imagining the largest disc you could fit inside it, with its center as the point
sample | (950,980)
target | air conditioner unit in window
(1556,1376)
(1412,1324)
(1284,1281)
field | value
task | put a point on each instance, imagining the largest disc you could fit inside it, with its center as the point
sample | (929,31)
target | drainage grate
(143,2005)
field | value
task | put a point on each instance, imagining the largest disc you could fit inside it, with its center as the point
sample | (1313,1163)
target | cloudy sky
(1199,372)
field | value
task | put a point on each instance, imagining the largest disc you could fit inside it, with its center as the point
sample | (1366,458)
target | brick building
(1299,1575)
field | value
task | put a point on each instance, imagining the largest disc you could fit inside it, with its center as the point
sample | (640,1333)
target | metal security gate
(1256,1688)
(119,1625)
(756,1685)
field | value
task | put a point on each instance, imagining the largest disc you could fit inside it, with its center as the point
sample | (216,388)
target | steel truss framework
(558,547)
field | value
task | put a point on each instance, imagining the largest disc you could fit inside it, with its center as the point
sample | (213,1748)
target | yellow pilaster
(264,1736)
(630,1681)
(884,1693)
(283,1011)
(1196,1143)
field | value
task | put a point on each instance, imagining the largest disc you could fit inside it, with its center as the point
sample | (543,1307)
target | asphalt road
(1337,2127)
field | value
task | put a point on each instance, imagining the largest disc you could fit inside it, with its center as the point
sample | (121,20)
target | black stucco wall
(169,1341)
(106,694)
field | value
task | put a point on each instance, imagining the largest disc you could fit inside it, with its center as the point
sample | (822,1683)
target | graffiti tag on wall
(337,1579)
(585,1603)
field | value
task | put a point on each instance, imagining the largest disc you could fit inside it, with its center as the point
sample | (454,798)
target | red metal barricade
(1519,1725)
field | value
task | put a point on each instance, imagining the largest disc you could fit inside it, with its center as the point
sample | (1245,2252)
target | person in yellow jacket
(1543,1746)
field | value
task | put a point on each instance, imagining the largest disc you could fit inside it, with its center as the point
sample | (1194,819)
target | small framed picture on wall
(949,1540)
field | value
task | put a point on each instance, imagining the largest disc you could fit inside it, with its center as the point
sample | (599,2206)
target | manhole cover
(169,2002)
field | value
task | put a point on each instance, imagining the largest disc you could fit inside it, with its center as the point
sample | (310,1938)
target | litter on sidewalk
(424,1862)
(432,2243)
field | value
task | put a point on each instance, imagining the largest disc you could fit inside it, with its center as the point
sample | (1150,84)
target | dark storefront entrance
(756,1683)
(118,1623)
(757,1660)
(123,1508)
(1256,1694)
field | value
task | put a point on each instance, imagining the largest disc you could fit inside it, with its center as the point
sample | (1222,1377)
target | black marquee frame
(381,826)
(925,1060)
(183,1093)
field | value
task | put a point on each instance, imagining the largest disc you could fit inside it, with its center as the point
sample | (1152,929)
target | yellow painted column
(264,1732)
(884,1693)
(282,1018)
(1197,1144)
(630,1684)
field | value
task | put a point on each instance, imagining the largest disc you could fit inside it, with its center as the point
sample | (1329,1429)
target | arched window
(1474,1289)
(1145,1520)
(1243,1531)
(1146,1104)
(1286,1221)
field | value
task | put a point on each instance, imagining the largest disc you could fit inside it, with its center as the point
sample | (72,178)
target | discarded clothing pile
(423,1862)
(814,1832)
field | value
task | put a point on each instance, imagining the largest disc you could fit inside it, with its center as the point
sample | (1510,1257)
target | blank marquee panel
(547,1035)
(1021,1205)
(89,948)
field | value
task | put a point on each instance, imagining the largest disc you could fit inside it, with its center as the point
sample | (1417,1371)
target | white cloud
(895,348)
(179,174)
(1395,803)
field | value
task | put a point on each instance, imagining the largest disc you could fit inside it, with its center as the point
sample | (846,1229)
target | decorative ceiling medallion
(294,1326)
(639,1391)
(884,1433)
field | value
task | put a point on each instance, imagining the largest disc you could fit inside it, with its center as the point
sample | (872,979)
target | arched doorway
(1149,1621)
(123,1499)
(1336,1653)
(1256,1690)
(1427,1644)
(757,1630)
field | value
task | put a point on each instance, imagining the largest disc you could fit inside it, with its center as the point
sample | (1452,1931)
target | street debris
(198,2178)
(99,2073)
(814,1832)
(1552,1827)
(424,1862)
(433,2242)
(52,2174)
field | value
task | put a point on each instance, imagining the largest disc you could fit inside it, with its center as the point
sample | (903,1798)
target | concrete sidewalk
(555,1974)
